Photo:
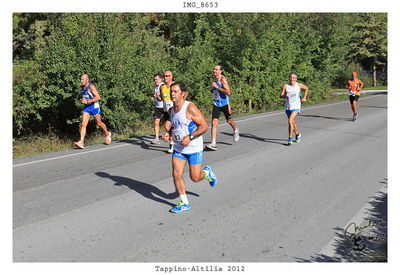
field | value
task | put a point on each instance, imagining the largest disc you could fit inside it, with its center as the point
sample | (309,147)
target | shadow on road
(146,190)
(145,144)
(328,117)
(270,140)
(377,107)
(365,242)
(378,93)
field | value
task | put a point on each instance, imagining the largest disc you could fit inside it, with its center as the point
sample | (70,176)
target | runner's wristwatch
(191,137)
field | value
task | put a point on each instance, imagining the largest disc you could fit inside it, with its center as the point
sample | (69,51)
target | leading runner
(354,85)
(187,127)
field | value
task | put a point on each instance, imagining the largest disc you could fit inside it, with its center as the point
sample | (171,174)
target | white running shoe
(212,146)
(79,144)
(155,141)
(236,136)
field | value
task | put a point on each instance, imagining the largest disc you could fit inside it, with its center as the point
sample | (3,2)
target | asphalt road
(272,203)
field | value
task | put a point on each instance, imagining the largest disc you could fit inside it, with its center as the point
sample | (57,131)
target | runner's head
(157,79)
(217,70)
(354,75)
(292,78)
(177,91)
(84,79)
(168,77)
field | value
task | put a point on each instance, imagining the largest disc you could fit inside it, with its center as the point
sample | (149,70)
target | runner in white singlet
(159,108)
(187,127)
(291,91)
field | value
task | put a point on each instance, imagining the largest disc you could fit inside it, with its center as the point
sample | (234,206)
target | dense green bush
(122,52)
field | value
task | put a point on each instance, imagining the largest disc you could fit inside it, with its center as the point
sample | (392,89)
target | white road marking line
(222,124)
(69,155)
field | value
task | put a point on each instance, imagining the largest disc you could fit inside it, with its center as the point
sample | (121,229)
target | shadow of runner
(145,144)
(146,190)
(366,242)
(328,117)
(270,140)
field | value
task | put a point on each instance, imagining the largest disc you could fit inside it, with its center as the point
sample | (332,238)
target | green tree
(369,42)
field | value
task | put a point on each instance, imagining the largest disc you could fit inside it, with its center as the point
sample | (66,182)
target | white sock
(184,199)
(214,143)
(237,130)
(207,172)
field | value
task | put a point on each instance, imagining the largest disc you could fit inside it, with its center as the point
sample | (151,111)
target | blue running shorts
(288,112)
(192,159)
(91,110)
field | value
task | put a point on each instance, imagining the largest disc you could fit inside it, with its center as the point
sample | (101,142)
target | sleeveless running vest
(293,100)
(354,87)
(220,99)
(87,94)
(159,104)
(182,126)
(165,95)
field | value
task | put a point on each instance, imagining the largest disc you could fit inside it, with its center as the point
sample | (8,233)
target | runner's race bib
(168,104)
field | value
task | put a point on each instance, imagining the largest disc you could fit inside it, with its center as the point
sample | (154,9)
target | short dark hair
(181,86)
(159,75)
(220,66)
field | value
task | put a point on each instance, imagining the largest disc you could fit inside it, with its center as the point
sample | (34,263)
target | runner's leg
(85,121)
(292,123)
(178,166)
(100,123)
(196,174)
(157,127)
(214,130)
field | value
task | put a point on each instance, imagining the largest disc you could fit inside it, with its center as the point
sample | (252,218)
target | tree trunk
(374,75)
(250,107)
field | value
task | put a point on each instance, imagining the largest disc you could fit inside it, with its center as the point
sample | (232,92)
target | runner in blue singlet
(90,100)
(221,93)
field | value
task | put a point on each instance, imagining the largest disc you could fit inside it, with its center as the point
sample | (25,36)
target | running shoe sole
(297,140)
(108,138)
(155,141)
(212,179)
(180,208)
(79,145)
(213,148)
(236,137)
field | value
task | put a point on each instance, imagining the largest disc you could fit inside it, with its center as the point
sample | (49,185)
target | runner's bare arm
(283,92)
(224,83)
(168,127)
(305,88)
(158,94)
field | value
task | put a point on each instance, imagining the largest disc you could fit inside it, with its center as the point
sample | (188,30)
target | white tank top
(159,103)
(293,100)
(182,126)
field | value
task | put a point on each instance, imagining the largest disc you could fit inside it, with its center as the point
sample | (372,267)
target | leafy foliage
(121,53)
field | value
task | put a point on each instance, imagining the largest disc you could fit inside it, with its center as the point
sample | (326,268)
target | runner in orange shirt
(354,85)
